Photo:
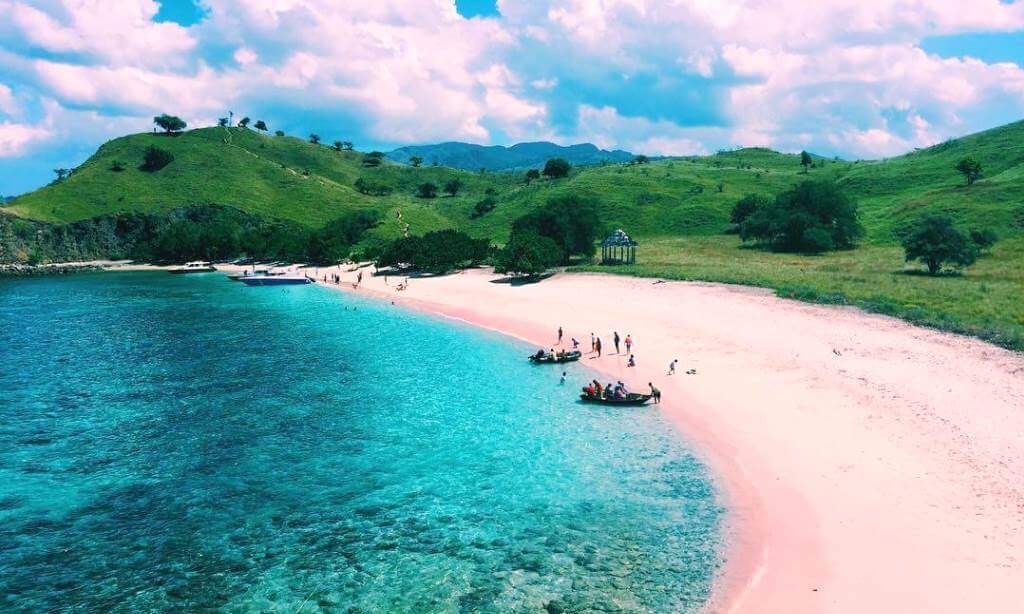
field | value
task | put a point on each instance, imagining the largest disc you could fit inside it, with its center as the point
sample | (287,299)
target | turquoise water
(174,443)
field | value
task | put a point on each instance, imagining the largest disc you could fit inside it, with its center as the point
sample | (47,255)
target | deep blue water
(174,443)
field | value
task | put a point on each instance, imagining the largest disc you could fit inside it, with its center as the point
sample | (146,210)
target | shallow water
(184,442)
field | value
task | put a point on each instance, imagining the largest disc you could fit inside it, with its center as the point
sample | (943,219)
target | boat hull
(632,400)
(275,281)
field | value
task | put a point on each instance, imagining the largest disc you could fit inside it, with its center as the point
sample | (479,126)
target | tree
(416,161)
(532,174)
(346,145)
(746,207)
(813,217)
(452,187)
(279,133)
(970,168)
(244,122)
(570,221)
(223,122)
(484,207)
(335,240)
(557,168)
(155,159)
(436,252)
(170,123)
(314,138)
(806,161)
(62,173)
(641,159)
(935,241)
(337,146)
(373,159)
(261,125)
(426,190)
(528,254)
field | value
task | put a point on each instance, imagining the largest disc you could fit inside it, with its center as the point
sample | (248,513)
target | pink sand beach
(867,465)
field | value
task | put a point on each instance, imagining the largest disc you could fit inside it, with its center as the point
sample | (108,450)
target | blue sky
(850,78)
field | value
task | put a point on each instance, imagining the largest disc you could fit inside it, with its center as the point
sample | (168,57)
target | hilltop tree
(223,122)
(641,159)
(170,123)
(244,122)
(416,161)
(935,241)
(806,161)
(314,138)
(557,168)
(261,125)
(279,133)
(62,173)
(452,187)
(373,159)
(338,145)
(347,145)
(813,217)
(970,168)
(426,190)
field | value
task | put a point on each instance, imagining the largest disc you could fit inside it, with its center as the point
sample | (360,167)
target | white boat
(249,273)
(197,266)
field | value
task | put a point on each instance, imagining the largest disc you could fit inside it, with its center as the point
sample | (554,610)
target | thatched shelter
(618,248)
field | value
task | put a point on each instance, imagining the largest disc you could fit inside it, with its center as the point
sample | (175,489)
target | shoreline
(803,531)
(866,464)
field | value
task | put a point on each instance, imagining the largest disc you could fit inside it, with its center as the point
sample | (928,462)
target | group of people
(595,390)
(550,354)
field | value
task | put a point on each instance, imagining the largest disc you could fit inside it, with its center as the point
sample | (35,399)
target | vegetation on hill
(677,208)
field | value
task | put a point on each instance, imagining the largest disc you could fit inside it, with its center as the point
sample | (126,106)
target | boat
(633,398)
(193,267)
(554,359)
(273,279)
(239,276)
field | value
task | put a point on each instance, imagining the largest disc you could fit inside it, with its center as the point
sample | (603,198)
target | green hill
(677,208)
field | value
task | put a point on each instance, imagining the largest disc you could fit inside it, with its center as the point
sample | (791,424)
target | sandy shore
(868,465)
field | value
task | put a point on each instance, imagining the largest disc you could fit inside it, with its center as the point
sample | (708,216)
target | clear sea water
(185,443)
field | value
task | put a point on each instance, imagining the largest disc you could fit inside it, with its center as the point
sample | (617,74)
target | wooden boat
(633,398)
(555,359)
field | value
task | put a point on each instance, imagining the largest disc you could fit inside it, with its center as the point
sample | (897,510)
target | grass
(986,300)
(677,208)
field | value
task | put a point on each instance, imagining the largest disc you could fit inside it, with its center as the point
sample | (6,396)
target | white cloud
(15,138)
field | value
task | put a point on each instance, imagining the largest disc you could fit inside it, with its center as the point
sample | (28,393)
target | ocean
(185,443)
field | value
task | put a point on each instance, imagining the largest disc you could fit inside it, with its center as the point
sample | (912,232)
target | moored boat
(276,280)
(197,266)
(633,398)
(541,358)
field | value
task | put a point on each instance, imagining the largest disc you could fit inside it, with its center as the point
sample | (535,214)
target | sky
(853,78)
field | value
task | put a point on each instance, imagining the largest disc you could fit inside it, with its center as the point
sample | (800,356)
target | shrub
(532,174)
(970,168)
(373,159)
(117,166)
(984,239)
(452,187)
(557,168)
(528,253)
(935,241)
(426,190)
(279,133)
(371,188)
(155,159)
(483,207)
(813,217)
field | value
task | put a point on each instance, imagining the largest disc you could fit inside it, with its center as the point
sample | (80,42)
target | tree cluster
(813,217)
(935,241)
(437,252)
(371,188)
(566,226)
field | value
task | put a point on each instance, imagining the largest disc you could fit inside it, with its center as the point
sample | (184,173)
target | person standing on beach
(672,367)
(597,347)
(615,340)
(655,393)
(629,343)
(359,278)
(593,343)
(559,334)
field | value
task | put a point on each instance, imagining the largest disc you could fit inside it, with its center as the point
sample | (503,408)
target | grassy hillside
(677,208)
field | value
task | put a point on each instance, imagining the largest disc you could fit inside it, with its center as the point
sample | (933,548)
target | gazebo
(618,248)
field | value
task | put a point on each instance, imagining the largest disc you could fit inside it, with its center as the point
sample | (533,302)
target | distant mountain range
(470,157)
